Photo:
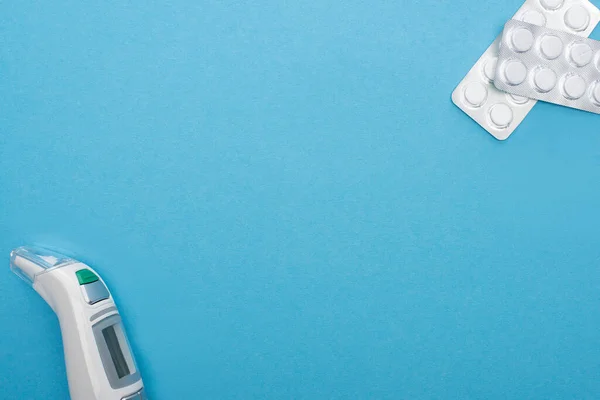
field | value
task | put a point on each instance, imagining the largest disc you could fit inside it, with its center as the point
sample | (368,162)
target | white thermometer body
(100,364)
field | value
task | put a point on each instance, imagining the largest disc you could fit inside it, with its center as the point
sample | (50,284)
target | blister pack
(496,111)
(549,65)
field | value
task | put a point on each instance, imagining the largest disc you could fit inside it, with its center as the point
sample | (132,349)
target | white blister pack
(496,111)
(549,65)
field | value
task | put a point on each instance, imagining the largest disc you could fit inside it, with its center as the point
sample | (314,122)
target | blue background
(286,204)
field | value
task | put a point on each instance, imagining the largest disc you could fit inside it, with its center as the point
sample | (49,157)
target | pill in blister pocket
(544,79)
(498,112)
(580,54)
(551,46)
(574,86)
(501,115)
(521,39)
(577,18)
(514,72)
(475,94)
(559,67)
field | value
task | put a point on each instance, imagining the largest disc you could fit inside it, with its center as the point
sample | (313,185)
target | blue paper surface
(286,204)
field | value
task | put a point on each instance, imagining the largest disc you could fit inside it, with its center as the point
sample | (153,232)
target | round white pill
(581,54)
(596,93)
(521,40)
(544,79)
(501,115)
(577,18)
(515,72)
(534,17)
(475,94)
(520,100)
(574,87)
(489,69)
(551,47)
(552,4)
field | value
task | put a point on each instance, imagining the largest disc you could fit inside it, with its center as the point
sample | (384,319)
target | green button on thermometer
(100,364)
(86,276)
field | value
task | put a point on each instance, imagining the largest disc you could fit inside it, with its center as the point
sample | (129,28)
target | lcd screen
(115,348)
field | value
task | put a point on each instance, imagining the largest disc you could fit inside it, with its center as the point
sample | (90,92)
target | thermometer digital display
(100,364)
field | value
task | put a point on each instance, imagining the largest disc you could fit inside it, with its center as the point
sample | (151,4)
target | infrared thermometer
(100,364)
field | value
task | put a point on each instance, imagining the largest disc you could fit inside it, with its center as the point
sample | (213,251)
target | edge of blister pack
(498,112)
(550,65)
